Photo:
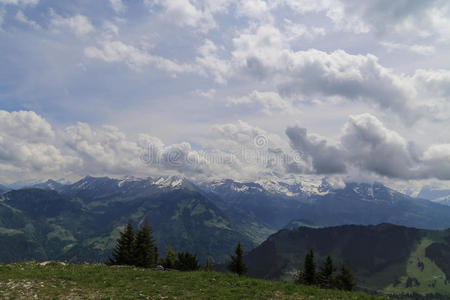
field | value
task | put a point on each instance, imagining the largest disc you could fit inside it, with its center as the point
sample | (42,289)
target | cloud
(254,9)
(206,94)
(210,62)
(257,152)
(107,150)
(26,146)
(20,16)
(268,102)
(117,51)
(368,147)
(264,55)
(25,125)
(372,147)
(78,24)
(418,49)
(324,158)
(295,31)
(420,18)
(20,2)
(30,148)
(187,13)
(117,5)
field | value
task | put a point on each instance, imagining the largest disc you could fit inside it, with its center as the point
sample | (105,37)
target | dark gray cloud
(372,147)
(325,159)
(368,146)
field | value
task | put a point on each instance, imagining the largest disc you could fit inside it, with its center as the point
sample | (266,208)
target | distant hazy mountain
(441,196)
(49,185)
(272,204)
(386,257)
(357,203)
(3,188)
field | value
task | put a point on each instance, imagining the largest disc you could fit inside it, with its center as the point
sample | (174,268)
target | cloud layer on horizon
(29,145)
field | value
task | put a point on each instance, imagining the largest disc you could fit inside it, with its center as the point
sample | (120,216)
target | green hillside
(385,258)
(82,224)
(55,281)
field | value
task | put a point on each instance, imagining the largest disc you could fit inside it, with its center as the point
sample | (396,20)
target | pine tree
(187,262)
(170,260)
(309,274)
(237,264)
(345,280)
(325,276)
(145,254)
(124,250)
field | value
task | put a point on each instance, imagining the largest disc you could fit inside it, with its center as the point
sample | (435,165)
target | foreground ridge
(28,280)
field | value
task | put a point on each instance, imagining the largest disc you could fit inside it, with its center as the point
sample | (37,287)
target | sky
(347,90)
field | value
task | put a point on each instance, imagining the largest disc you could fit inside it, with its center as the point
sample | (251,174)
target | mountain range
(80,222)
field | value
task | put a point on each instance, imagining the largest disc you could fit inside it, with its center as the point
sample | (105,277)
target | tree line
(324,277)
(138,248)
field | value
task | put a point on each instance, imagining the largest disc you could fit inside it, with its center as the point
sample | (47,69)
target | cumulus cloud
(372,147)
(30,148)
(78,24)
(196,14)
(254,9)
(367,146)
(26,146)
(258,152)
(324,158)
(264,54)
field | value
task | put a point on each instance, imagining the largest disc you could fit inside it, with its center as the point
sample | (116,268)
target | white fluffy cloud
(264,54)
(27,147)
(78,24)
(30,148)
(187,13)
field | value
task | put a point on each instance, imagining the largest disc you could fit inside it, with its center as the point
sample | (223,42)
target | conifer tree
(345,279)
(124,251)
(187,262)
(170,260)
(237,264)
(325,275)
(145,251)
(309,273)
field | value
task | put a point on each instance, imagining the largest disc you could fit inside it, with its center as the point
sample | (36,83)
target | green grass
(30,280)
(431,278)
